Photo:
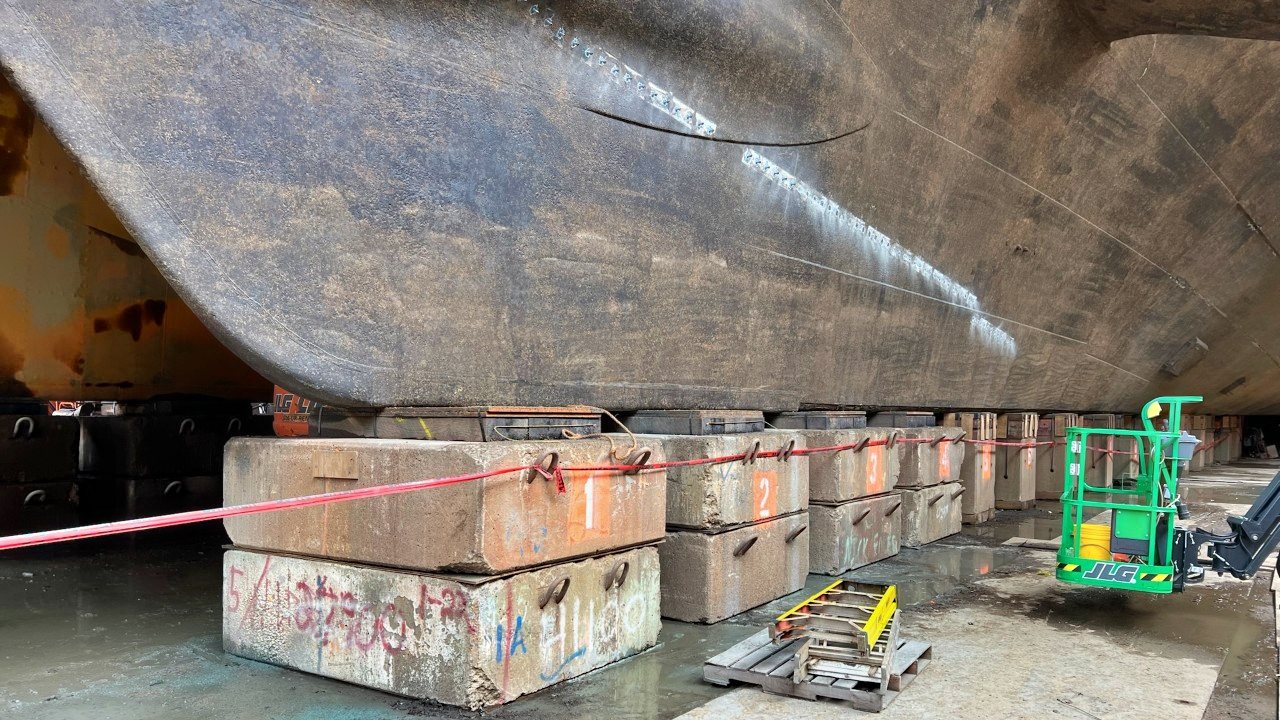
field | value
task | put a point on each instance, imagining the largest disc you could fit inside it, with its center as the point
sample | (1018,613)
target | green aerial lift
(1141,548)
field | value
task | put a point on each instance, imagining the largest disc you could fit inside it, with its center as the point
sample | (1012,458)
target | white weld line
(622,75)
(917,293)
(1116,367)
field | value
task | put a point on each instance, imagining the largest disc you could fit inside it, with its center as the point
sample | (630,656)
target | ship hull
(640,204)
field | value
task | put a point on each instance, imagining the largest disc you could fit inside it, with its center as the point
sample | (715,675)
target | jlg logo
(1112,572)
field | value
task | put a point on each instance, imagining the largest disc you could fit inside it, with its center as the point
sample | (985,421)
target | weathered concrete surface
(83,313)
(442,203)
(707,496)
(853,534)
(473,644)
(925,464)
(1015,468)
(485,526)
(978,476)
(847,475)
(709,577)
(1015,471)
(1099,466)
(1051,459)
(132,628)
(1116,19)
(930,513)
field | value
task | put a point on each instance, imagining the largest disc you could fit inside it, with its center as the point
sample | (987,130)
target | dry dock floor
(129,628)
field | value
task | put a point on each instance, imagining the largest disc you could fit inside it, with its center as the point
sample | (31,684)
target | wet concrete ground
(129,628)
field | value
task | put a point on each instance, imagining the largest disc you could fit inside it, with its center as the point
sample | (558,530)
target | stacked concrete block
(1235,437)
(470,594)
(977,473)
(737,533)
(931,513)
(159,457)
(38,489)
(1221,433)
(1015,487)
(1099,464)
(929,483)
(1198,426)
(470,641)
(855,515)
(1051,458)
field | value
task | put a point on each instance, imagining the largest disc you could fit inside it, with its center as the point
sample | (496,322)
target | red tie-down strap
(548,467)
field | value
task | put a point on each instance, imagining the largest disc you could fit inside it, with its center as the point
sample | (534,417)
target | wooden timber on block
(1016,426)
(976,425)
(758,661)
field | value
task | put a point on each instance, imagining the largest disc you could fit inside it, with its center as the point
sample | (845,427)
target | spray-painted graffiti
(337,617)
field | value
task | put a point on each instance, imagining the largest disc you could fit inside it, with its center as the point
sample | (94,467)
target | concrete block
(977,472)
(156,445)
(848,475)
(707,577)
(695,422)
(465,424)
(930,513)
(820,420)
(459,640)
(1124,464)
(35,507)
(1222,451)
(710,496)
(1015,471)
(927,463)
(484,526)
(978,476)
(902,419)
(1198,459)
(104,499)
(853,534)
(38,448)
(1051,459)
(1099,466)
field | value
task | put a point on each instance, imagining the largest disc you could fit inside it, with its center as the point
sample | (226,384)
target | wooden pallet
(758,661)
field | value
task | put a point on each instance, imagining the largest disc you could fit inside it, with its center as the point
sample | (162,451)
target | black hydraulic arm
(1240,551)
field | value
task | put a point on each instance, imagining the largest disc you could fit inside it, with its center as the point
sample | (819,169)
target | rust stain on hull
(16,124)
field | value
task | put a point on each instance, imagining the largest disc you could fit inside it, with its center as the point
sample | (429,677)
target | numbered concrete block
(930,513)
(710,496)
(977,473)
(484,526)
(1016,466)
(1015,470)
(933,462)
(848,474)
(853,534)
(709,576)
(460,640)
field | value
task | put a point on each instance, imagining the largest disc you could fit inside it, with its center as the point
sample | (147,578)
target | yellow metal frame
(876,623)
